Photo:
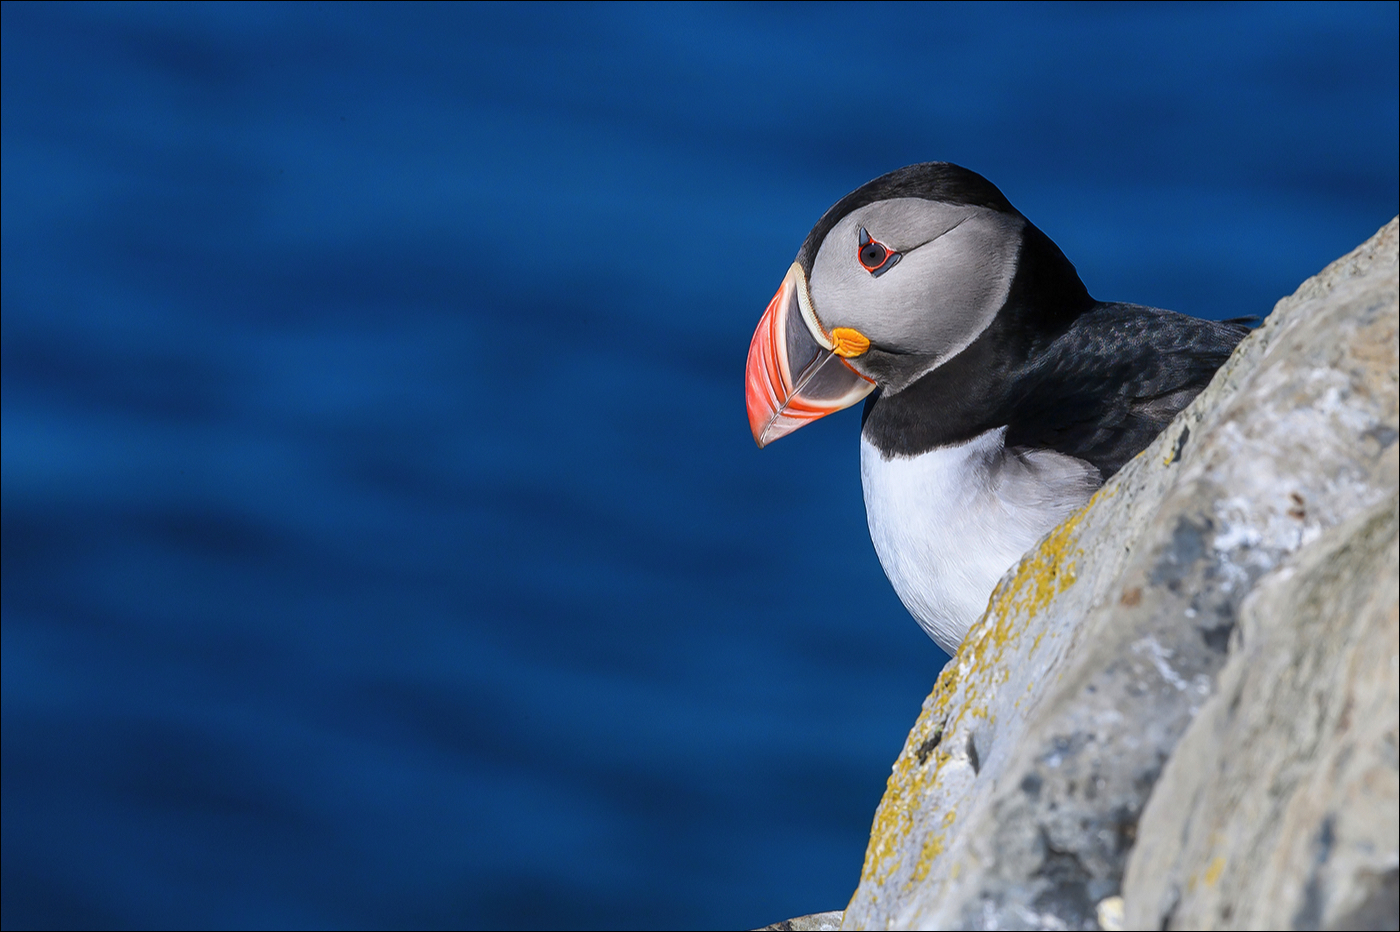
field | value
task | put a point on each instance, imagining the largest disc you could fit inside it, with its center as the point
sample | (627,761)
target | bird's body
(1001,395)
(948,523)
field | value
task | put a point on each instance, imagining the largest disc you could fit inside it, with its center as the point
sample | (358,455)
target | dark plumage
(1003,393)
(1100,390)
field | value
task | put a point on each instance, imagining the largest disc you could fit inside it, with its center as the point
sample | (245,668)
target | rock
(1280,807)
(1194,674)
(816,922)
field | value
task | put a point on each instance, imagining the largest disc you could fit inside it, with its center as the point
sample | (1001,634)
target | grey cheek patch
(943,293)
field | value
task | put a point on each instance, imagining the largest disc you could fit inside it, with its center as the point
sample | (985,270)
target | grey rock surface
(815,922)
(1024,787)
(1280,808)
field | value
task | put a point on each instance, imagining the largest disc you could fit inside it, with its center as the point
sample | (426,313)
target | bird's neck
(973,391)
(1045,297)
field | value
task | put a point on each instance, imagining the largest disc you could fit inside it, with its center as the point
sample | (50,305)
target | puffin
(999,395)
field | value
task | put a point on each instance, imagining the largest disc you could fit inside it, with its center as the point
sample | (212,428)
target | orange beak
(796,372)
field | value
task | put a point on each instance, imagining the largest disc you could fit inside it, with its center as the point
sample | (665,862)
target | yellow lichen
(1214,870)
(932,848)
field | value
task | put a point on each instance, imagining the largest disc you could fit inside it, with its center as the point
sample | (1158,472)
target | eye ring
(874,256)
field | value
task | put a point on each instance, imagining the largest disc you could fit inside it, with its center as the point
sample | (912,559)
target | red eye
(874,256)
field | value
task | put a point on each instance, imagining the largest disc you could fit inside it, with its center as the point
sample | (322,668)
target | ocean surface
(384,544)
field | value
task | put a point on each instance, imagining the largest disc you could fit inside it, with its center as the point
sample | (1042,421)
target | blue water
(384,543)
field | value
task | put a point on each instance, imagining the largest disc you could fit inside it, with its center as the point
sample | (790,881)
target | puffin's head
(899,276)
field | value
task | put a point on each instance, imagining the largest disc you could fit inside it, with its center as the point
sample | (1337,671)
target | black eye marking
(874,256)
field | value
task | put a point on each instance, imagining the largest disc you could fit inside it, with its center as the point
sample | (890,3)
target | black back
(1100,390)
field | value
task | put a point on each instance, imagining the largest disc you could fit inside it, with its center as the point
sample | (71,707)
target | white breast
(949,523)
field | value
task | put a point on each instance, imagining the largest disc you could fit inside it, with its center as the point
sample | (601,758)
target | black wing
(1108,385)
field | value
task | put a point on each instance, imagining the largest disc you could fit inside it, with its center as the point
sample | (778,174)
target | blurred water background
(384,543)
